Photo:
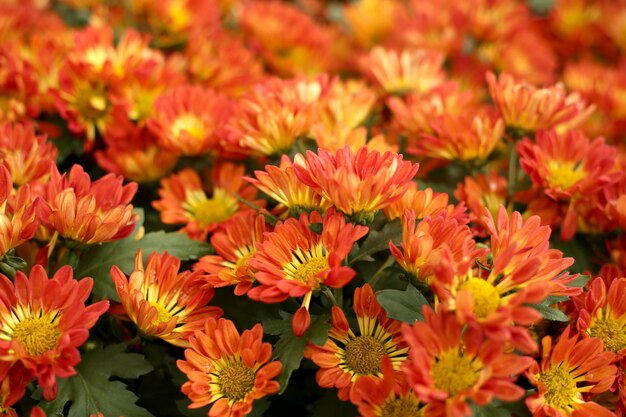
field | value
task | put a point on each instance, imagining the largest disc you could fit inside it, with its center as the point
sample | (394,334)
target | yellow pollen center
(236,381)
(485,296)
(189,123)
(310,268)
(565,174)
(611,332)
(243,261)
(454,372)
(37,335)
(210,210)
(364,354)
(163,314)
(561,389)
(401,407)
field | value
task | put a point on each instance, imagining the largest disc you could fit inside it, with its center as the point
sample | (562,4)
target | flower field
(317,208)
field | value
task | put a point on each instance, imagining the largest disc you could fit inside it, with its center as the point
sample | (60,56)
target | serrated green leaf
(377,241)
(404,305)
(550,313)
(97,261)
(91,391)
(290,349)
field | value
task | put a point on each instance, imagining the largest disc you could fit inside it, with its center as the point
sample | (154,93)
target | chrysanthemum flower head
(227,369)
(187,118)
(19,85)
(162,301)
(84,211)
(13,381)
(185,199)
(348,103)
(234,246)
(404,71)
(18,217)
(529,109)
(358,184)
(451,363)
(371,21)
(570,372)
(423,203)
(567,165)
(333,138)
(488,191)
(43,322)
(347,357)
(27,155)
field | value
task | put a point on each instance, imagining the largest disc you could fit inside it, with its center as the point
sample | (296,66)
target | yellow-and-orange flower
(187,118)
(571,371)
(293,196)
(18,217)
(346,357)
(27,155)
(483,191)
(184,199)
(423,203)
(528,108)
(234,246)
(358,184)
(84,211)
(43,322)
(451,363)
(227,369)
(162,301)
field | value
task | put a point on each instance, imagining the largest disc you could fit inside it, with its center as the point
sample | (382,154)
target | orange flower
(603,315)
(234,245)
(18,218)
(568,165)
(404,71)
(347,358)
(371,21)
(293,261)
(19,85)
(228,370)
(424,203)
(163,302)
(274,114)
(28,156)
(451,363)
(13,381)
(87,212)
(187,118)
(568,374)
(347,104)
(528,108)
(185,201)
(281,184)
(357,184)
(485,191)
(43,322)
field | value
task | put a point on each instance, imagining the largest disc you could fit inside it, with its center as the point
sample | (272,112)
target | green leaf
(404,305)
(490,410)
(541,6)
(91,391)
(580,281)
(97,261)
(290,349)
(377,241)
(330,406)
(550,313)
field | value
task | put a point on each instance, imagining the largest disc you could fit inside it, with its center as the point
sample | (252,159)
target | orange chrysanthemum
(28,156)
(228,370)
(528,108)
(346,357)
(358,184)
(43,322)
(293,197)
(423,203)
(18,84)
(186,119)
(569,372)
(87,212)
(484,191)
(371,21)
(404,71)
(293,261)
(451,363)
(184,199)
(234,246)
(18,218)
(163,302)
(13,381)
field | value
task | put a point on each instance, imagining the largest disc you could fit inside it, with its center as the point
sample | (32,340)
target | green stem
(329,294)
(512,171)
(261,210)
(380,273)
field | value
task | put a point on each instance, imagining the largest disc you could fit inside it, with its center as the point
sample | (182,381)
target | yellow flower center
(189,123)
(364,354)
(163,314)
(454,372)
(561,389)
(485,296)
(210,210)
(310,268)
(236,381)
(564,174)
(243,260)
(611,332)
(401,407)
(91,102)
(37,334)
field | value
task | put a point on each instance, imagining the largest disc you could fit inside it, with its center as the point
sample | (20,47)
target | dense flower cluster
(382,208)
